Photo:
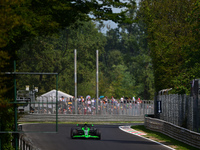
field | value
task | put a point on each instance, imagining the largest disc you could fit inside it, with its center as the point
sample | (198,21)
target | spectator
(139,101)
(112,100)
(82,99)
(88,97)
(62,99)
(93,102)
(106,99)
(133,99)
(122,99)
(79,100)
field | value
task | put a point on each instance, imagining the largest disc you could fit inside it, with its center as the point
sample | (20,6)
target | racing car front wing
(85,136)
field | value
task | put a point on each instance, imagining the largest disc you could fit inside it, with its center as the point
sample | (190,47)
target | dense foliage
(123,72)
(56,54)
(125,64)
(173,38)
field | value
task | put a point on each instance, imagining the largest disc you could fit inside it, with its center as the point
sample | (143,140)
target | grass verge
(164,139)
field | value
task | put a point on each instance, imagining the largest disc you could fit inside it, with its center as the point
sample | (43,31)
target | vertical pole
(75,79)
(97,80)
(56,102)
(47,104)
(15,108)
(0,130)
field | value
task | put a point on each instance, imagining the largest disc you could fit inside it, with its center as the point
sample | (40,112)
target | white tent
(50,96)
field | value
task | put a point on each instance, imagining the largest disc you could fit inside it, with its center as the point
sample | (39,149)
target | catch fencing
(180,110)
(70,106)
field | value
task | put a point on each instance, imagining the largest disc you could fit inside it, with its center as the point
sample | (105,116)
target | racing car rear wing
(83,125)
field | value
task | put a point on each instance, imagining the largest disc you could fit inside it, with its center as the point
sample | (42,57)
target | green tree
(21,19)
(39,55)
(6,113)
(121,82)
(56,54)
(86,39)
(170,38)
(127,47)
(118,78)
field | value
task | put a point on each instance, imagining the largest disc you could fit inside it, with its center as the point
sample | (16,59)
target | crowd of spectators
(87,105)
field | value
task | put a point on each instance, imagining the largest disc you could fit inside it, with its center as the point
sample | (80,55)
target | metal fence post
(15,108)
(0,133)
(56,102)
(47,105)
(76,106)
(52,107)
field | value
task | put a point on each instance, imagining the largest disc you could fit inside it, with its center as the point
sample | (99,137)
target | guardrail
(181,134)
(79,118)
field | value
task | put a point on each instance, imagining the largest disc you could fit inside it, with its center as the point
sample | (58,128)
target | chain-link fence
(111,107)
(180,110)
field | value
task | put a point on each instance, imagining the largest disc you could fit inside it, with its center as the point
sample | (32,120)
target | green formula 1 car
(85,131)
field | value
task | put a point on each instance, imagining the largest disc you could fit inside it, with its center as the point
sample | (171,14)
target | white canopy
(51,95)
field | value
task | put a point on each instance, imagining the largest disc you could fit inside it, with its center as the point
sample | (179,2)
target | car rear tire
(98,133)
(73,132)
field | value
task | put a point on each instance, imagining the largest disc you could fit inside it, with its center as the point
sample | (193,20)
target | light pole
(97,79)
(75,80)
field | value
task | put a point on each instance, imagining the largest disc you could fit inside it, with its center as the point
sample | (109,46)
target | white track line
(128,130)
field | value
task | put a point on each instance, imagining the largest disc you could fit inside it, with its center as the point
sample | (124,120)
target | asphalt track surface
(112,138)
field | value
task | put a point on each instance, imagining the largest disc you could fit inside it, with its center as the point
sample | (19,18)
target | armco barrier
(79,118)
(181,134)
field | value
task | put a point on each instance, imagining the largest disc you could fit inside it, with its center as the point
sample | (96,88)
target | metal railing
(25,143)
(131,108)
